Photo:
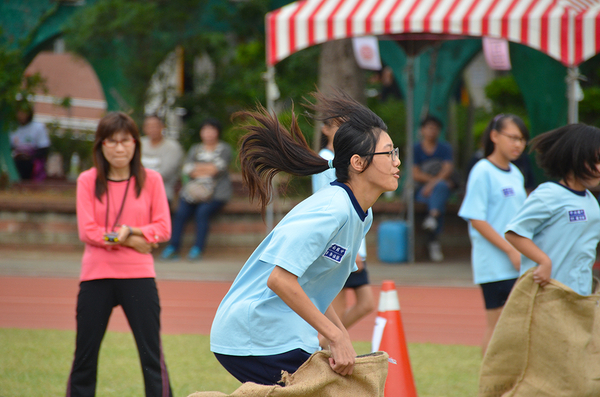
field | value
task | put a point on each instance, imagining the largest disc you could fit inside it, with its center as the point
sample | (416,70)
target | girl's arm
(139,243)
(527,247)
(159,228)
(90,232)
(491,235)
(286,286)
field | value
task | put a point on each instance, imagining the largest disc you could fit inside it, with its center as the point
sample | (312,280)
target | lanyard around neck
(120,211)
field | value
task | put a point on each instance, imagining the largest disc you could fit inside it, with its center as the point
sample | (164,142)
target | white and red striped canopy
(567,30)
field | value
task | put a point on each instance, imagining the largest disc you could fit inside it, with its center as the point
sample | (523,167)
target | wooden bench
(43,214)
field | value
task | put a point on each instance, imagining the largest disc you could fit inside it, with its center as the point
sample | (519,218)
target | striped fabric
(567,30)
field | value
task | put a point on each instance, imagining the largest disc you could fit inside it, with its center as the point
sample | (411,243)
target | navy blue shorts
(264,370)
(358,279)
(496,294)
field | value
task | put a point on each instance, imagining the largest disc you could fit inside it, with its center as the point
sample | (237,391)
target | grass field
(37,362)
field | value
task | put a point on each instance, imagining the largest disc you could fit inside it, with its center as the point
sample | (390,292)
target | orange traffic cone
(388,336)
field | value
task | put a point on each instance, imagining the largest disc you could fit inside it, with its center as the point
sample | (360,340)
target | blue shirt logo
(577,216)
(508,191)
(335,253)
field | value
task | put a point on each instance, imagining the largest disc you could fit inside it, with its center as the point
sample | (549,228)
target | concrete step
(46,217)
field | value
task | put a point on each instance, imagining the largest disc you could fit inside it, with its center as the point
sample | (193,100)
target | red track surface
(445,315)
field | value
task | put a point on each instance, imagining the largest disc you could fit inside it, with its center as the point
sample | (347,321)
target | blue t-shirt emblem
(508,192)
(335,253)
(577,216)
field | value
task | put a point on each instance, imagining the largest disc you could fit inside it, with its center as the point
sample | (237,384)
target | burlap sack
(315,378)
(546,343)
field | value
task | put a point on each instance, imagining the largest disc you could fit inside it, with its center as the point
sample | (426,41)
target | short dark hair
(432,119)
(213,123)
(498,123)
(27,108)
(571,149)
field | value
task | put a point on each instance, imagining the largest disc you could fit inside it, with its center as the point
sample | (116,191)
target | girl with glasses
(122,214)
(495,192)
(280,301)
(358,281)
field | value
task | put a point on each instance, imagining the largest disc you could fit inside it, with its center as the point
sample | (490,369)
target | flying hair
(268,148)
(573,149)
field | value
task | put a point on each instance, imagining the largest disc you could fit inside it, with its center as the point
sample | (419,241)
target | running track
(445,315)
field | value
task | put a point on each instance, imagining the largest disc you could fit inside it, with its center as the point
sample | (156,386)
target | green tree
(134,36)
(506,96)
(137,35)
(13,84)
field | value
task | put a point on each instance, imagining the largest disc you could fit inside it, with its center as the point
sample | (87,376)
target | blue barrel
(392,241)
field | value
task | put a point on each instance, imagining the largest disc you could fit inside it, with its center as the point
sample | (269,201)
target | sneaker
(194,254)
(435,251)
(430,223)
(170,253)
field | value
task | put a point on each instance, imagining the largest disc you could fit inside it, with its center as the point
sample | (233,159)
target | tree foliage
(134,35)
(137,35)
(14,86)
(12,68)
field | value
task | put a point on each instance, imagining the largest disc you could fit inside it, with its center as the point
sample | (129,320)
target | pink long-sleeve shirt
(149,212)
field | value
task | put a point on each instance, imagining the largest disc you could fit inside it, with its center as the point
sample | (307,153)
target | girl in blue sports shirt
(558,228)
(495,192)
(280,301)
(358,281)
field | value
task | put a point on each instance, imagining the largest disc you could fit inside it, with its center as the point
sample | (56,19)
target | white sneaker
(435,251)
(430,223)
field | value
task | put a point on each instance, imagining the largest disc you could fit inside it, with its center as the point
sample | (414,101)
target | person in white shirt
(30,144)
(161,154)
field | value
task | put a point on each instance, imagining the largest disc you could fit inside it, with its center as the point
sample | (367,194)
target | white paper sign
(366,52)
(496,53)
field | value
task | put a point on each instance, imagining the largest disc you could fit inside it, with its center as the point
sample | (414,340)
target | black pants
(264,370)
(139,300)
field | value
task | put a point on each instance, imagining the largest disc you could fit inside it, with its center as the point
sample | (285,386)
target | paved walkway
(38,289)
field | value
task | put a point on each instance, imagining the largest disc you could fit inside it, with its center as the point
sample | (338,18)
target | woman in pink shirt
(122,213)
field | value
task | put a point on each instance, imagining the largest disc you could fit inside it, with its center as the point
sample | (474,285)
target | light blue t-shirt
(316,241)
(493,195)
(324,179)
(565,224)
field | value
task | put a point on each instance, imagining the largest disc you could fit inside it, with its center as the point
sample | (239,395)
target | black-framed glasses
(112,143)
(395,153)
(514,139)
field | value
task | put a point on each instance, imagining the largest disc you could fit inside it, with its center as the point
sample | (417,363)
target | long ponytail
(268,148)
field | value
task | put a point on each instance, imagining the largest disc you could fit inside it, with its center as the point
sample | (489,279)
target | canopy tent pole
(272,93)
(572,94)
(409,186)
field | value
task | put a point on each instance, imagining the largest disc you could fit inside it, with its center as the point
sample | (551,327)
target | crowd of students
(280,308)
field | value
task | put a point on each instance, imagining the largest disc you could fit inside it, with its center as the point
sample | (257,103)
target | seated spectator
(30,144)
(434,176)
(161,154)
(206,190)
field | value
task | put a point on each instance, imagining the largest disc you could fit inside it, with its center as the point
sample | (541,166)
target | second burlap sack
(546,343)
(316,378)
